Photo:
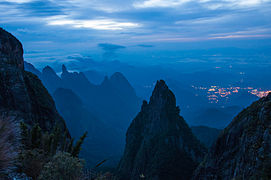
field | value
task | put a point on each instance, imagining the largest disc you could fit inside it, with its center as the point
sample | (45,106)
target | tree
(77,147)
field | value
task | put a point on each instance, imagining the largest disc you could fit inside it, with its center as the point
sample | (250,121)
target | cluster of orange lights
(214,93)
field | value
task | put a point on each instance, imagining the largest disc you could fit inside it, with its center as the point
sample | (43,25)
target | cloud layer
(79,25)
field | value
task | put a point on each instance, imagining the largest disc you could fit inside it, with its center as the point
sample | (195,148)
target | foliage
(39,148)
(77,148)
(36,136)
(32,162)
(63,166)
(9,141)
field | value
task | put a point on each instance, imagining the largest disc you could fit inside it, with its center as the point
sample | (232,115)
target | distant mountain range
(104,110)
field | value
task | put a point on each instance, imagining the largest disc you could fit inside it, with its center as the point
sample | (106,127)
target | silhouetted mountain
(22,93)
(159,143)
(104,110)
(29,67)
(114,95)
(206,135)
(215,117)
(51,80)
(102,141)
(242,150)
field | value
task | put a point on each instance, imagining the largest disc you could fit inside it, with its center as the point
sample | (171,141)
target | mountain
(102,141)
(206,135)
(22,93)
(215,117)
(242,150)
(114,95)
(159,143)
(83,106)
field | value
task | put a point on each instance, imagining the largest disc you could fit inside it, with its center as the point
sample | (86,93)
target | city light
(216,93)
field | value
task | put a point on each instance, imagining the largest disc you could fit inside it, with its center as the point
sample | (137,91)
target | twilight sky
(136,31)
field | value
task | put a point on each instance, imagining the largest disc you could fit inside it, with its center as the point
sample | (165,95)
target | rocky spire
(64,69)
(159,143)
(162,96)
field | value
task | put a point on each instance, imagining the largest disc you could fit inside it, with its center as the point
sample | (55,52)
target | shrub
(32,162)
(9,141)
(62,167)
(39,149)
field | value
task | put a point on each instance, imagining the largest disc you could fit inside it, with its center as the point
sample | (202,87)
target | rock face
(243,149)
(159,143)
(11,51)
(21,92)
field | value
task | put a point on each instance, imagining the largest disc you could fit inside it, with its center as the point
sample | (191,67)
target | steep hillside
(243,150)
(159,143)
(22,92)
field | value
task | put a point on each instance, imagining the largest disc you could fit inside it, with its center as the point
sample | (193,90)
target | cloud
(160,3)
(19,1)
(98,24)
(110,47)
(145,45)
(210,4)
(110,50)
(75,26)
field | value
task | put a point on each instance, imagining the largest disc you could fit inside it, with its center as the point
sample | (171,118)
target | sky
(135,31)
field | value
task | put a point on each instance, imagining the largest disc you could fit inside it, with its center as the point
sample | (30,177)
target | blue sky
(134,31)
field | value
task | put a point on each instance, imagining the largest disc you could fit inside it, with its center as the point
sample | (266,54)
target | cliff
(22,93)
(159,143)
(243,149)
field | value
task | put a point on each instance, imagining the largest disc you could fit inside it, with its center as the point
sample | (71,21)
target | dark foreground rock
(22,93)
(243,150)
(159,143)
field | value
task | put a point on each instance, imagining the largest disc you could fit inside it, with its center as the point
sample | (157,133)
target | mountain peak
(48,69)
(64,69)
(11,50)
(118,76)
(159,142)
(162,95)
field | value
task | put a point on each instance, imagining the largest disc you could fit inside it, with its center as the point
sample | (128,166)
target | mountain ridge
(159,142)
(243,147)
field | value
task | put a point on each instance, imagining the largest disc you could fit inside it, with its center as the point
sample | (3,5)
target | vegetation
(63,166)
(41,149)
(9,140)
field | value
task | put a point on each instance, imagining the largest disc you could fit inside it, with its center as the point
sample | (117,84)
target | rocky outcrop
(243,149)
(21,92)
(11,51)
(159,143)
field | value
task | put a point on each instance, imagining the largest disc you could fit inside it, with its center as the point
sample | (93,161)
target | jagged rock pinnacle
(64,69)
